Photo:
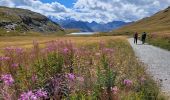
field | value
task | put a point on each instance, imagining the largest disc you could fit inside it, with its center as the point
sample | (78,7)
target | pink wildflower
(15,65)
(28,96)
(65,50)
(4,58)
(40,93)
(127,82)
(9,48)
(33,95)
(7,79)
(71,76)
(19,50)
(114,90)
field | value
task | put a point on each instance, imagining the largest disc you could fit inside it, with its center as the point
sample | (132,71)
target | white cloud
(94,10)
(6,3)
(36,5)
(127,10)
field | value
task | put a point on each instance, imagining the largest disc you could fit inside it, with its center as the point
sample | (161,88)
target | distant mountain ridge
(22,20)
(89,27)
(107,26)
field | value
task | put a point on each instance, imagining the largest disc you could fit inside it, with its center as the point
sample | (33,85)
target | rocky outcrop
(15,19)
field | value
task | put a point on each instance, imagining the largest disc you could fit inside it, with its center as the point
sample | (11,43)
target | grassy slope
(159,22)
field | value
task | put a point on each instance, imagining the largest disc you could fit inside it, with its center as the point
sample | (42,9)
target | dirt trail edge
(157,61)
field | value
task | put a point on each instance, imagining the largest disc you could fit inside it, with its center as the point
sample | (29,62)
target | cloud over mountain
(94,10)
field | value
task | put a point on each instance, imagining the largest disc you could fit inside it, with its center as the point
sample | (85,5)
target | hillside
(21,20)
(159,22)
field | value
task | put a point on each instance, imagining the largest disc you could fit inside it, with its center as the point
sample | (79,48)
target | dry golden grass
(26,41)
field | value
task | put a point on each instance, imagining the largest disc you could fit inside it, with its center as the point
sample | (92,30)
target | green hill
(159,22)
(13,20)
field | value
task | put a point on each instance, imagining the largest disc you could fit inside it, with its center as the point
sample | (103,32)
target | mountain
(107,26)
(72,24)
(90,27)
(159,22)
(22,20)
(82,26)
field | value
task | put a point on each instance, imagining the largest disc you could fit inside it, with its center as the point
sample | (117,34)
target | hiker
(135,38)
(143,37)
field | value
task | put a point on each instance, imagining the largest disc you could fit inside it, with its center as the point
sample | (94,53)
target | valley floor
(26,41)
(86,68)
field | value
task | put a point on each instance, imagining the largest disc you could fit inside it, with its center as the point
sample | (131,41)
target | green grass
(160,42)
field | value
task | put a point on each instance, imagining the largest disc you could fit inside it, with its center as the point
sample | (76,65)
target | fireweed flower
(19,50)
(7,79)
(65,50)
(114,90)
(9,48)
(33,95)
(28,96)
(127,82)
(70,76)
(40,93)
(4,58)
(15,65)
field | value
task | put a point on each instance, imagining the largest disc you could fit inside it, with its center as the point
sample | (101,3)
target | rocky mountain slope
(159,22)
(21,20)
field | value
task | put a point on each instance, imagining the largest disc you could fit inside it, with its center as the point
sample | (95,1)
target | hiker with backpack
(135,38)
(143,37)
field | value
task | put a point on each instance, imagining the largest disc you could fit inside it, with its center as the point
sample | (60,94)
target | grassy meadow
(161,40)
(74,68)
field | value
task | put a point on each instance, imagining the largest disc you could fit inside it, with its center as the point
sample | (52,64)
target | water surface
(83,33)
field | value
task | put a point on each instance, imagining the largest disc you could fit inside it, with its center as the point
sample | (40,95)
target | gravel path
(157,61)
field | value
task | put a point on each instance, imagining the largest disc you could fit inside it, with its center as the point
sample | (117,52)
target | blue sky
(101,11)
(67,3)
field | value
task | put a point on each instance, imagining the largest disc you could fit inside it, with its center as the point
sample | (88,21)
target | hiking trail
(157,61)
